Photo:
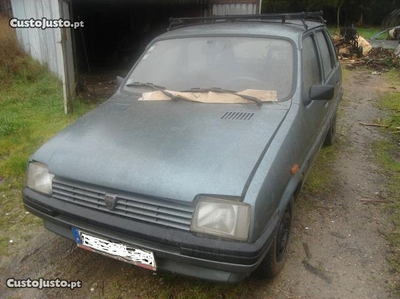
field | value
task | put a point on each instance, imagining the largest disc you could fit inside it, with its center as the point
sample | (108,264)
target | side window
(325,53)
(311,74)
(334,54)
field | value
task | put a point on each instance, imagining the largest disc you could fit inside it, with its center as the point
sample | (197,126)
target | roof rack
(175,23)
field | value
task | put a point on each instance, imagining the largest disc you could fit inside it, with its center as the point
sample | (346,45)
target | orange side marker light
(295,169)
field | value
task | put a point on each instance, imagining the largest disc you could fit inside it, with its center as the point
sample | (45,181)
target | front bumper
(175,251)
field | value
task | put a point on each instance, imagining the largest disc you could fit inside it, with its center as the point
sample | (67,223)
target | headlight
(39,178)
(223,218)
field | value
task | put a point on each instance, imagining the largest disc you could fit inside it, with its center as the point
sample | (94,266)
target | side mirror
(321,92)
(119,80)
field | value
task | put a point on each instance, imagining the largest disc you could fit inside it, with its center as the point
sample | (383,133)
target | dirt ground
(338,249)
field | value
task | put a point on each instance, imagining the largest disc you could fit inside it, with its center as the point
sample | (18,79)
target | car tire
(277,255)
(331,136)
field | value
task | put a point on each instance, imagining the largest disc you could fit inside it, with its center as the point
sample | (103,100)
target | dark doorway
(115,35)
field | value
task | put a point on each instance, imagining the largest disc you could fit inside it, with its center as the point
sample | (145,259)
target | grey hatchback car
(194,164)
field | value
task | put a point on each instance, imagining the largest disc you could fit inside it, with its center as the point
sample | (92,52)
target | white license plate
(127,253)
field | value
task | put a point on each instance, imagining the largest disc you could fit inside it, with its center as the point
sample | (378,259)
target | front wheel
(277,255)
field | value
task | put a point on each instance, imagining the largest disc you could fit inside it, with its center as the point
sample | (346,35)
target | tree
(338,15)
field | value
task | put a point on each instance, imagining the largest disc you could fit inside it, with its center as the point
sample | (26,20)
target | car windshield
(230,63)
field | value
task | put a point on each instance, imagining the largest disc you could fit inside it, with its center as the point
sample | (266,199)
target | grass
(388,154)
(368,32)
(31,112)
(321,175)
(365,32)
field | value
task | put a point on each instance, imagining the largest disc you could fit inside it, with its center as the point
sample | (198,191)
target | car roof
(290,29)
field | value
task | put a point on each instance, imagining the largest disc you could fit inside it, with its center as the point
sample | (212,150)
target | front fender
(292,188)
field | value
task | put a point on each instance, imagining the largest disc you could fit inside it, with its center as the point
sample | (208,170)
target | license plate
(120,251)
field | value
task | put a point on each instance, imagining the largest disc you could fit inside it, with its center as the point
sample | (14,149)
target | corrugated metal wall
(43,45)
(234,9)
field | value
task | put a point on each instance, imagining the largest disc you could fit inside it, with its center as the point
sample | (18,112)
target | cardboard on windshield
(213,97)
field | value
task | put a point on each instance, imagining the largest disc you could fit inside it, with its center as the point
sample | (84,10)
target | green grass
(345,74)
(31,112)
(388,154)
(321,175)
(391,102)
(365,32)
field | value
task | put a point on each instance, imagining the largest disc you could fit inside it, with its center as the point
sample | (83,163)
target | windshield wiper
(155,87)
(148,84)
(221,90)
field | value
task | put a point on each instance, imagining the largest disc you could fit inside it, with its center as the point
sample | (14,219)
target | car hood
(166,149)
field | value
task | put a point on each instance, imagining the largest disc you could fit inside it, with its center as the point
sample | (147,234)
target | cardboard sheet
(214,97)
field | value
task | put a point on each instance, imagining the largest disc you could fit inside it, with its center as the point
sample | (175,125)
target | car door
(331,74)
(313,112)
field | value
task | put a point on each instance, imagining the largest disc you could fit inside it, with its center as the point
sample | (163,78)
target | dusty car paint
(172,152)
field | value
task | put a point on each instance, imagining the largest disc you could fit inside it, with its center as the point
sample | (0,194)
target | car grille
(147,209)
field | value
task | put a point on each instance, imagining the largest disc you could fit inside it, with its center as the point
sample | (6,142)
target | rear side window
(325,53)
(311,74)
(334,53)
